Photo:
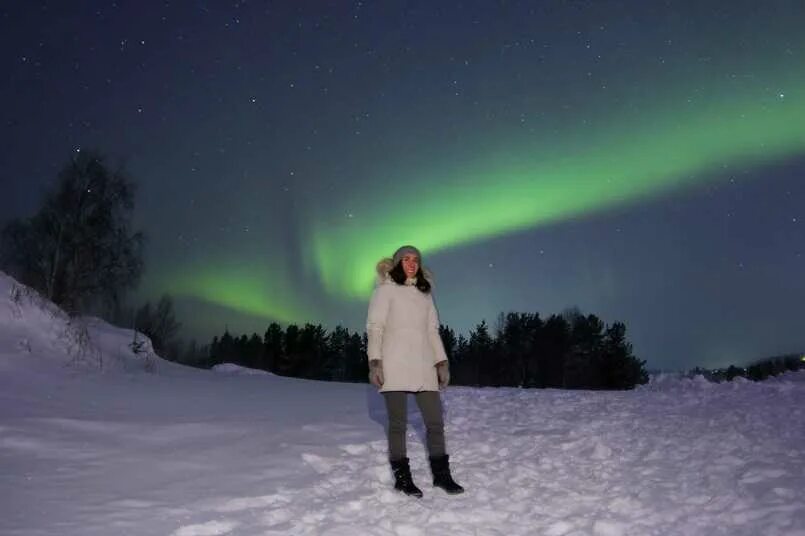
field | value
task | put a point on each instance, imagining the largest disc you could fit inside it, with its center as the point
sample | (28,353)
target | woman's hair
(398,275)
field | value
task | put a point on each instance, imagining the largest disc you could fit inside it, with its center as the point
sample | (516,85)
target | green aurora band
(623,164)
(579,173)
(248,289)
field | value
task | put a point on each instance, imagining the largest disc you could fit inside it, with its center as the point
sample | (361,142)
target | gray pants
(430,406)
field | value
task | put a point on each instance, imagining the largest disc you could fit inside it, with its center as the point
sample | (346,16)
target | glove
(443,372)
(376,373)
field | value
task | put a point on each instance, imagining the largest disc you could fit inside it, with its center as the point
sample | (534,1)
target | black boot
(440,466)
(403,481)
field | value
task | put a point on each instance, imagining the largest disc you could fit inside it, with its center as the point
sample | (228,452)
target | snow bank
(231,368)
(31,325)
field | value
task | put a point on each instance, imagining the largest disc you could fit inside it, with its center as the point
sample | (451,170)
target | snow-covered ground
(178,451)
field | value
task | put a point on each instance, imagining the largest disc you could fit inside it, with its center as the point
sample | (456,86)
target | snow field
(184,452)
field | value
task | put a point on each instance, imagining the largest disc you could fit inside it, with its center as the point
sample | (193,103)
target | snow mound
(794,376)
(678,383)
(667,381)
(32,326)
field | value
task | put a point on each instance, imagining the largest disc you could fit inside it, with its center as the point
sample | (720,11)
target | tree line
(568,351)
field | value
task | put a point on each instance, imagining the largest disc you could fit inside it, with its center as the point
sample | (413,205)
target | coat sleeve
(376,322)
(439,354)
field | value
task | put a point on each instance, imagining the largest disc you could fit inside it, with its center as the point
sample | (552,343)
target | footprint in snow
(319,464)
(210,528)
(759,475)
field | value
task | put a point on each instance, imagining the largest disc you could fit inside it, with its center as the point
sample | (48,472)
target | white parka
(403,333)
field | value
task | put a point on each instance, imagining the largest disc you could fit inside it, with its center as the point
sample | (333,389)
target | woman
(406,355)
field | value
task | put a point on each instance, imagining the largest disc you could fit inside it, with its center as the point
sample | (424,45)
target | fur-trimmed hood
(386,264)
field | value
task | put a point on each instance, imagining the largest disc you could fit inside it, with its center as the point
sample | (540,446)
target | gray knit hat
(400,253)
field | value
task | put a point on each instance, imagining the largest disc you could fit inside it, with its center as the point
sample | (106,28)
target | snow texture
(93,444)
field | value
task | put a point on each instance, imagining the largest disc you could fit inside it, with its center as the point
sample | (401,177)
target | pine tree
(552,349)
(288,364)
(620,369)
(254,352)
(481,355)
(273,344)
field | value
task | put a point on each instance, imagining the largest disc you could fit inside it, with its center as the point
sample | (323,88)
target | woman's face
(410,264)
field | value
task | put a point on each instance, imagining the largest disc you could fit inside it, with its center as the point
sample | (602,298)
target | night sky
(640,160)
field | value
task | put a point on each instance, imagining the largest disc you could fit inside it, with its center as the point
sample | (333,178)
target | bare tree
(159,324)
(78,250)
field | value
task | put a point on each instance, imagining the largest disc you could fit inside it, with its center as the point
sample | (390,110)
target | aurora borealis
(522,192)
(641,161)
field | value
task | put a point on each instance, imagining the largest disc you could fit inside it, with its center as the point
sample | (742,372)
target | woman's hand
(376,373)
(443,372)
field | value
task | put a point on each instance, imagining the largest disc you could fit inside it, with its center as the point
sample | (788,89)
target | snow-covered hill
(88,451)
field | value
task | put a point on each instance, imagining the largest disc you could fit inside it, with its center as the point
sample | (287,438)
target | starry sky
(643,161)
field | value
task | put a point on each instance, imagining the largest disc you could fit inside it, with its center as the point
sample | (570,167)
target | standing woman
(406,356)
